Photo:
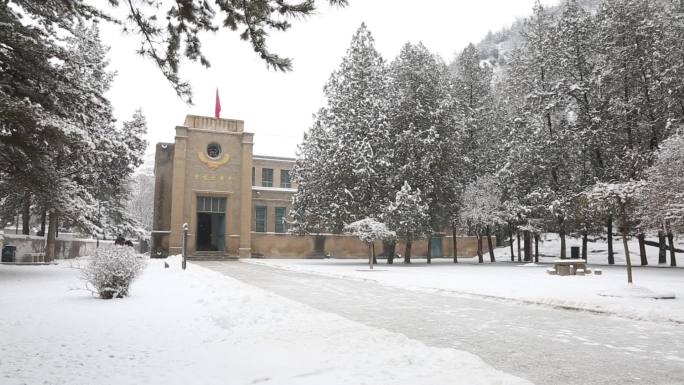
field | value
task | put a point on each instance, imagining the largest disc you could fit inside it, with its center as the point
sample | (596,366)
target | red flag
(217,108)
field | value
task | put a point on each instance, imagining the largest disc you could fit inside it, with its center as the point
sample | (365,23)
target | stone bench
(34,257)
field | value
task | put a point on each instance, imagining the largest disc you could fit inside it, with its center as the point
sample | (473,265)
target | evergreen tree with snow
(59,136)
(343,168)
(472,92)
(424,125)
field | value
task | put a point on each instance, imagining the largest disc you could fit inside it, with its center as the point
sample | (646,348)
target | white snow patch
(637,292)
(507,281)
(200,327)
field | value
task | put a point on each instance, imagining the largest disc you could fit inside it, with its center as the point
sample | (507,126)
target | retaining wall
(64,248)
(273,245)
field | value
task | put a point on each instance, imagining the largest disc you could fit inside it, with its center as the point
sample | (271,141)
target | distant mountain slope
(495,47)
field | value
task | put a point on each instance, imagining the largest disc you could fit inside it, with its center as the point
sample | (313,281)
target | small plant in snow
(110,272)
(368,230)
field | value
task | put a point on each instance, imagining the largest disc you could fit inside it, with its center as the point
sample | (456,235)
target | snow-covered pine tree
(546,156)
(473,92)
(115,174)
(58,127)
(424,130)
(343,167)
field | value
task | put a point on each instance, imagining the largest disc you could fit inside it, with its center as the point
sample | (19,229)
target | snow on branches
(112,269)
(369,230)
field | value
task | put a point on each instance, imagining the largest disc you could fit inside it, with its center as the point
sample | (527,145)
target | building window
(211,205)
(280,225)
(260,217)
(285,179)
(253,176)
(213,150)
(267,177)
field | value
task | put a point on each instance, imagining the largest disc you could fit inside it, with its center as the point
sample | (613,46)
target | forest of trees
(576,128)
(64,160)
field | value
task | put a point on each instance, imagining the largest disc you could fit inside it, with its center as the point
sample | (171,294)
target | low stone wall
(64,248)
(274,245)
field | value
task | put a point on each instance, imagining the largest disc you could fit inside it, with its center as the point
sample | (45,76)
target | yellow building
(210,180)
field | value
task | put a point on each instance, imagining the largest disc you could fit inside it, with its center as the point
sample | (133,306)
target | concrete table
(569,266)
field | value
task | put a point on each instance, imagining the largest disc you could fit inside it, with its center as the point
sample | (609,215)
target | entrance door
(211,224)
(436,247)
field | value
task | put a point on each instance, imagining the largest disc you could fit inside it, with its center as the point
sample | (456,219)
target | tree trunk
(670,239)
(429,248)
(50,244)
(536,248)
(561,232)
(625,230)
(510,232)
(43,217)
(375,260)
(642,249)
(407,251)
(26,213)
(627,259)
(370,256)
(479,247)
(584,245)
(490,245)
(519,252)
(662,251)
(527,246)
(453,234)
(611,259)
(389,249)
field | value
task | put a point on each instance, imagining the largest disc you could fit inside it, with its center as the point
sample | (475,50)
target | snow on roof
(278,189)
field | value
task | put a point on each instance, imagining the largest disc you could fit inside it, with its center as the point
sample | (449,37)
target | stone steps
(211,256)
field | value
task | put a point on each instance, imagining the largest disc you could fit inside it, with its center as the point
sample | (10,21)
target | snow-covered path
(544,345)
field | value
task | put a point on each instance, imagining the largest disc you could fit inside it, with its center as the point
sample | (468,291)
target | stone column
(178,214)
(246,196)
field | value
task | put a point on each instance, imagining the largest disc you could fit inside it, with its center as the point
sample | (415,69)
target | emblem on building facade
(212,157)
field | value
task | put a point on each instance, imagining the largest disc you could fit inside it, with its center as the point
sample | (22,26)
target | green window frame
(267,177)
(280,225)
(285,179)
(211,205)
(260,219)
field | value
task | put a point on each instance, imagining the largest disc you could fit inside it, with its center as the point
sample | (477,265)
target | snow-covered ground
(527,283)
(200,327)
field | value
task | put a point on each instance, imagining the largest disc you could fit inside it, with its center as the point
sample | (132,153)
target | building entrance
(211,224)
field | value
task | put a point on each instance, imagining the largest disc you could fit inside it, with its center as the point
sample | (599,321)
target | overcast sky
(278,106)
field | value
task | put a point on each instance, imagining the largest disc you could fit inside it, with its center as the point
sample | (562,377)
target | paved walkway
(544,345)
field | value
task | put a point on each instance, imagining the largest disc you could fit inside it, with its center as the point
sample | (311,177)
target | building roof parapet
(216,124)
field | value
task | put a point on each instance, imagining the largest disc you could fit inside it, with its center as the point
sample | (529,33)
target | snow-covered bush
(112,269)
(368,230)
